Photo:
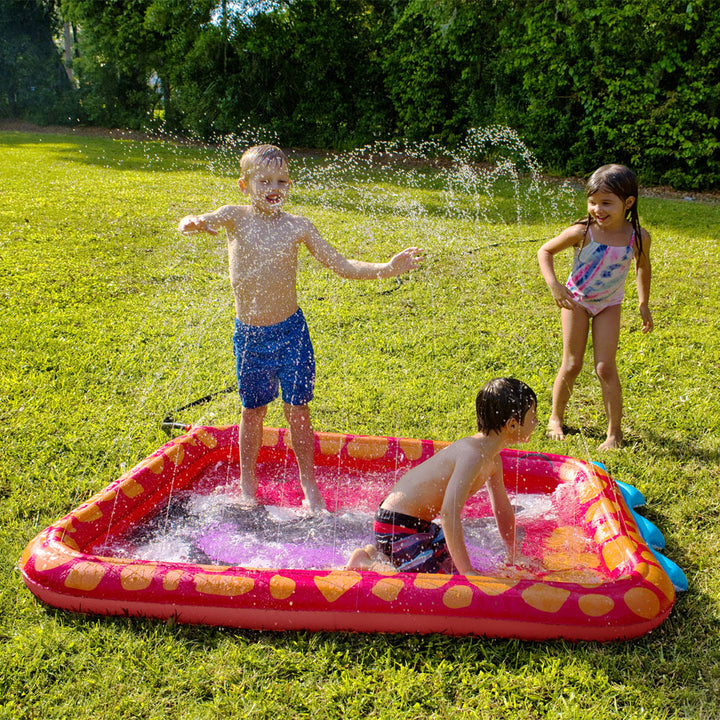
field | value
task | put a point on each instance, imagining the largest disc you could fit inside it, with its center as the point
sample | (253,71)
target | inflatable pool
(592,574)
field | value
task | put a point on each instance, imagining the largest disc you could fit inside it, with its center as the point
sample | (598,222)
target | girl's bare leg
(251,431)
(303,442)
(575,327)
(606,335)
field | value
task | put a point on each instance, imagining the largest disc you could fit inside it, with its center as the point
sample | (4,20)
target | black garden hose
(169,422)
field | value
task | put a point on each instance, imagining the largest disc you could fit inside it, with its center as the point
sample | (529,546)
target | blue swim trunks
(273,356)
(412,544)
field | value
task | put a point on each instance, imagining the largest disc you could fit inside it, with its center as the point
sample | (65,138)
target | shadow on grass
(503,212)
(682,450)
(494,205)
(660,444)
(112,153)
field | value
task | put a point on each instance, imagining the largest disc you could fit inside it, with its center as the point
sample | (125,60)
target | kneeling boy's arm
(502,509)
(456,495)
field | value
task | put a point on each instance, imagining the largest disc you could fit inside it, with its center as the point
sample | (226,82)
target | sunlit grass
(110,319)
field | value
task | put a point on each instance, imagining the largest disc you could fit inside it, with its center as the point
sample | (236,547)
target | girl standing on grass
(605,243)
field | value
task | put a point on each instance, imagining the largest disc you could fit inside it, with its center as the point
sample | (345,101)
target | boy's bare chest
(263,242)
(479,482)
(483,472)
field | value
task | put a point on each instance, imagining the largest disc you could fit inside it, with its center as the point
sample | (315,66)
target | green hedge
(582,82)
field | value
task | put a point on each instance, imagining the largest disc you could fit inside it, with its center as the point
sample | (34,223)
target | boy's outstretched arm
(195,223)
(404,261)
(212,222)
(351,269)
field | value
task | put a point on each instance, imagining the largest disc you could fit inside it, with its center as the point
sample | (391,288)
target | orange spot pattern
(388,588)
(281,588)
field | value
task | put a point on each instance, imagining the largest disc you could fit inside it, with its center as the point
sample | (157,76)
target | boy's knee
(297,413)
(254,414)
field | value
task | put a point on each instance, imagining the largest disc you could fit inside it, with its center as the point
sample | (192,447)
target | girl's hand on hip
(562,296)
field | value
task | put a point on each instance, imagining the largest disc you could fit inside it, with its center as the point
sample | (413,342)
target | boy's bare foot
(248,501)
(369,558)
(314,501)
(232,497)
(555,429)
(362,558)
(248,489)
(313,497)
(613,442)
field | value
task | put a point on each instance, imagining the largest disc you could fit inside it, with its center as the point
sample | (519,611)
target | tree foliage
(631,82)
(584,82)
(33,82)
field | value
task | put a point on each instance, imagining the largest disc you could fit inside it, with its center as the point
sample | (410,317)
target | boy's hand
(194,223)
(408,259)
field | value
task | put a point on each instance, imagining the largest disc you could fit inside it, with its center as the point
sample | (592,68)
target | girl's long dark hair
(620,181)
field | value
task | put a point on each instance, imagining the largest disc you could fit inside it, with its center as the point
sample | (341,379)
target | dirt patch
(9,125)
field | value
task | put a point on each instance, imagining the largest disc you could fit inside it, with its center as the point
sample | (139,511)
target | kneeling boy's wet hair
(262,155)
(500,400)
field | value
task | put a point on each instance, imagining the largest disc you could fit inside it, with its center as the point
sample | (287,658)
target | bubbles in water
(216,528)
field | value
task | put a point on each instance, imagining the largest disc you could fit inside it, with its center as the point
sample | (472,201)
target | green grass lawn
(110,319)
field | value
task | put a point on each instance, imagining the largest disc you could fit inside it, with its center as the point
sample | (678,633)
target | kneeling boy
(405,532)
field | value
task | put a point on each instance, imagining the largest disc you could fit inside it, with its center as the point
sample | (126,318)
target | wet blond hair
(261,156)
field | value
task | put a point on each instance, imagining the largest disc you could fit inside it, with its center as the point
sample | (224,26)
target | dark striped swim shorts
(412,544)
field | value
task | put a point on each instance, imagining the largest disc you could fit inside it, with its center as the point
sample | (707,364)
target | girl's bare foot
(613,442)
(555,429)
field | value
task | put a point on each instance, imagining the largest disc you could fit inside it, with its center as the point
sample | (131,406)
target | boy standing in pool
(406,535)
(271,341)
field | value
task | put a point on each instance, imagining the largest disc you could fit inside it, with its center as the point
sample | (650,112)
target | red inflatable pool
(593,578)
